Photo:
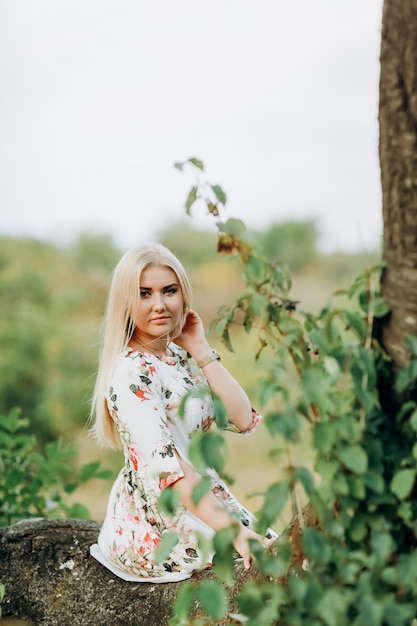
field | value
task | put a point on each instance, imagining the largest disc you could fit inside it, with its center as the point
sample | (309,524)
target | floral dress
(143,399)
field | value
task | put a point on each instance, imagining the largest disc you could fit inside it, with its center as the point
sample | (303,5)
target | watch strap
(214,356)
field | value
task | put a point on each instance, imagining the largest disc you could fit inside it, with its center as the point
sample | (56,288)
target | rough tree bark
(398,162)
(51,579)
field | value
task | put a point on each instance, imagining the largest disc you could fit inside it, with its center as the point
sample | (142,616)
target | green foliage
(193,246)
(357,564)
(34,483)
(296,242)
(213,598)
(52,304)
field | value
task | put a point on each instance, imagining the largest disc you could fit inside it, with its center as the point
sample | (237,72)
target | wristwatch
(214,356)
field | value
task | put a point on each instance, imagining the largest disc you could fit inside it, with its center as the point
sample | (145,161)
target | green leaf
(389,576)
(382,545)
(373,480)
(356,487)
(403,482)
(298,588)
(327,468)
(348,429)
(168,501)
(1,592)
(356,323)
(183,603)
(407,570)
(370,610)
(332,606)
(411,341)
(250,600)
(201,489)
(208,449)
(304,476)
(396,614)
(255,270)
(220,412)
(226,340)
(191,198)
(89,471)
(276,497)
(179,166)
(267,389)
(199,164)
(256,305)
(168,541)
(406,376)
(287,424)
(358,528)
(354,458)
(233,227)
(405,511)
(324,436)
(78,511)
(274,312)
(413,420)
(380,307)
(315,546)
(223,560)
(213,598)
(219,193)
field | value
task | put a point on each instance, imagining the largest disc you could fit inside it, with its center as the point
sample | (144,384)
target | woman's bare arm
(234,398)
(213,513)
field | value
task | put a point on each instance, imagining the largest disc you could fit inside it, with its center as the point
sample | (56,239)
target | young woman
(154,353)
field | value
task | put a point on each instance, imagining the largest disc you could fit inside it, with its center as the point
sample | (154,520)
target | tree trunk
(398,161)
(51,579)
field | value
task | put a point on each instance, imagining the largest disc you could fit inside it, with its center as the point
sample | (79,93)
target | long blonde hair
(118,324)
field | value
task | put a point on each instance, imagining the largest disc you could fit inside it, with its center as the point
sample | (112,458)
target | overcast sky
(99,98)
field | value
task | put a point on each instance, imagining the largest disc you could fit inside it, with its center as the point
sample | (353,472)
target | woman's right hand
(241,544)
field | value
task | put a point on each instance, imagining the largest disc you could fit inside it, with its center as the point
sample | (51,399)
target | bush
(357,565)
(35,483)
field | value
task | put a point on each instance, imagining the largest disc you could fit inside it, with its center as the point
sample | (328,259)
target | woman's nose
(158,303)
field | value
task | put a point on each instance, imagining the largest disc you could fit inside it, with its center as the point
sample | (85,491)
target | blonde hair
(118,324)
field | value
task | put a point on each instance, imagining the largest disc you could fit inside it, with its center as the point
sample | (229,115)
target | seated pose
(155,352)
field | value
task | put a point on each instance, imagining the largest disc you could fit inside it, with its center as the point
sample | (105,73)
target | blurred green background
(52,301)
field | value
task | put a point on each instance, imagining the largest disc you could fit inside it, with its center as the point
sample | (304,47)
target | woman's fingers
(242,544)
(267,543)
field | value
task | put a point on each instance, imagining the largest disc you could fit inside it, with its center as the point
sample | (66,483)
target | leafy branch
(360,542)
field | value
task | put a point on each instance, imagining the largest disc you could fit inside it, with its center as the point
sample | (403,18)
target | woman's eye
(171,290)
(144,294)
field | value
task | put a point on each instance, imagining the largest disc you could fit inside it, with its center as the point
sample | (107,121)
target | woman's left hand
(193,334)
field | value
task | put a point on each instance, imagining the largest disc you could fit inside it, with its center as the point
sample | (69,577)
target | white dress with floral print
(144,396)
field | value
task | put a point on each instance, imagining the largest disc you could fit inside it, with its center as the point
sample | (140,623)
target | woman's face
(161,303)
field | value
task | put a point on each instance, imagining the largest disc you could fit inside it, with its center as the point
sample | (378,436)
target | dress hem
(97,554)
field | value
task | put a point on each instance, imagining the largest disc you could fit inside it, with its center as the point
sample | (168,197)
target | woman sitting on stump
(154,353)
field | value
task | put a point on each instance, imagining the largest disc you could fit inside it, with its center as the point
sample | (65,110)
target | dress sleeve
(256,418)
(136,404)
